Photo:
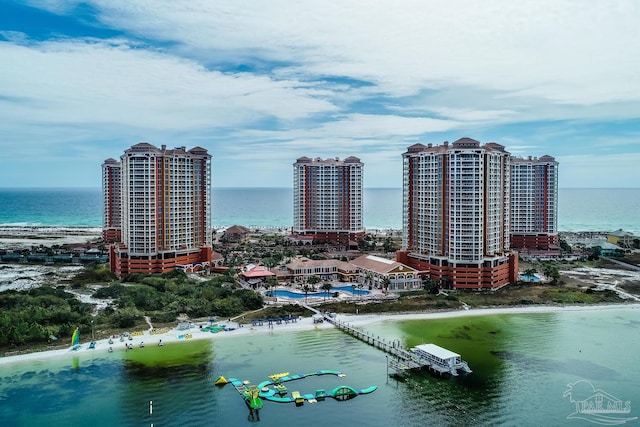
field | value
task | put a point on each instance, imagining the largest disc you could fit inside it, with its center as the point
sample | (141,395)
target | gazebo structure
(256,274)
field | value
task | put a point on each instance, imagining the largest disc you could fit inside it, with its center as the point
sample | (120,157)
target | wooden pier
(402,360)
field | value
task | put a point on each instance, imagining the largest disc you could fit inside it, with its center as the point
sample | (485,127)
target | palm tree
(271,283)
(369,279)
(530,272)
(552,272)
(427,283)
(385,284)
(288,255)
(326,286)
(306,289)
(313,279)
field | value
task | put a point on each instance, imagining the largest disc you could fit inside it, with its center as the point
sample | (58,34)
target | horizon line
(291,188)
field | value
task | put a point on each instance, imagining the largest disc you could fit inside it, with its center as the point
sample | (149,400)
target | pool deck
(318,297)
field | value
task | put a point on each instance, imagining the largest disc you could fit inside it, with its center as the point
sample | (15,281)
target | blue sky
(260,83)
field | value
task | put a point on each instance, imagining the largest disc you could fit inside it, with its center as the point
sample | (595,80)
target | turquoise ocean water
(522,368)
(579,209)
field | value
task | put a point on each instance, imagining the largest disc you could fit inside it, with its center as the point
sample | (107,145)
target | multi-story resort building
(165,203)
(456,214)
(327,199)
(534,203)
(301,269)
(111,198)
(367,271)
(382,273)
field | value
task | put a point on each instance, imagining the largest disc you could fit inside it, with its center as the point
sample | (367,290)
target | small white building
(441,358)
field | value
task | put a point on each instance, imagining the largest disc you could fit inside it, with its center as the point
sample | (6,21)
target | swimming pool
(296,295)
(350,289)
(528,278)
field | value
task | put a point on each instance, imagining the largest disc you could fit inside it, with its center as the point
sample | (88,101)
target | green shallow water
(522,364)
(190,352)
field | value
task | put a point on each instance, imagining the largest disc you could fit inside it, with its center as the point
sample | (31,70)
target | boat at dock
(440,359)
(436,359)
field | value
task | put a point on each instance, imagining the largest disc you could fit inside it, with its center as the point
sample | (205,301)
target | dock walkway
(402,360)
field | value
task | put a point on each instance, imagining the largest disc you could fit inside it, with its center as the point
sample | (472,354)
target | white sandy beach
(17,237)
(303,324)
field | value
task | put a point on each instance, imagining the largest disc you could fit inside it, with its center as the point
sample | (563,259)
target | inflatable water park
(274,390)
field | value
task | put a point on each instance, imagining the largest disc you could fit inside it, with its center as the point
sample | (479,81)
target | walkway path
(148,320)
(623,264)
(622,294)
(614,287)
(404,359)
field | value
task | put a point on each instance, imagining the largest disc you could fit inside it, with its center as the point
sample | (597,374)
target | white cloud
(426,70)
(555,50)
(354,127)
(474,115)
(372,125)
(271,164)
(98,82)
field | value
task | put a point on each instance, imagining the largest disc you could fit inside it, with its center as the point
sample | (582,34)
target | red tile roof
(258,271)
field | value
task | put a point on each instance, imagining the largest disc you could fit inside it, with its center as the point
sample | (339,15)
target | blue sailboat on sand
(75,340)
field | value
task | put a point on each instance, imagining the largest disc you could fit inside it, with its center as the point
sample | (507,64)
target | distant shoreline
(23,236)
(27,227)
(287,187)
(579,210)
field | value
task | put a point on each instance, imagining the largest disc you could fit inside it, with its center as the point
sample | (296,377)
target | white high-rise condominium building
(327,199)
(165,210)
(534,202)
(456,214)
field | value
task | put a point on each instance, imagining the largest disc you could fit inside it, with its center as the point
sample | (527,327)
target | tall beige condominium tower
(327,199)
(534,203)
(165,210)
(111,200)
(456,214)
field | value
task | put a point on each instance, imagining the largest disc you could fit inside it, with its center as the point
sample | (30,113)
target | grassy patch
(408,302)
(527,294)
(579,296)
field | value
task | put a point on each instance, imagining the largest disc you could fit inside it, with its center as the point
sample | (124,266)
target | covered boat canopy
(437,351)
